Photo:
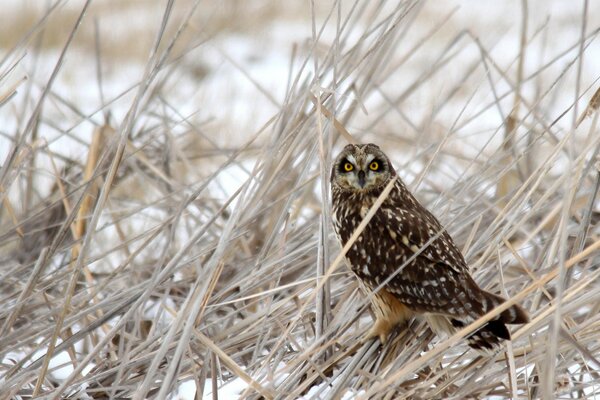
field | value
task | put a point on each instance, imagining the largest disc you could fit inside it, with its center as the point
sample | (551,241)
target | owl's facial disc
(361,175)
(361,168)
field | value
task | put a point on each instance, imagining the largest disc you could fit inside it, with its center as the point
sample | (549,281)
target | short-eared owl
(436,283)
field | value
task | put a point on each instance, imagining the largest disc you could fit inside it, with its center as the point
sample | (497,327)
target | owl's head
(362,167)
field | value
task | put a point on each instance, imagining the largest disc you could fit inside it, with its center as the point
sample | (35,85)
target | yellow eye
(374,166)
(348,167)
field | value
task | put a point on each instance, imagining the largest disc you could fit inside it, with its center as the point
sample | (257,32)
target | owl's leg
(380,329)
(389,312)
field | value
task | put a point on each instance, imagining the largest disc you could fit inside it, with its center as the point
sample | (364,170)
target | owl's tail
(489,336)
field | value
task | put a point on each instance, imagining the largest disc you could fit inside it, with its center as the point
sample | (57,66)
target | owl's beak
(361,179)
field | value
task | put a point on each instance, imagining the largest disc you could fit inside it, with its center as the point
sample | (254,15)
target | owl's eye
(374,166)
(348,167)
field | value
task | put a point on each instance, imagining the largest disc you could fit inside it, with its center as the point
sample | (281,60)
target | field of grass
(164,194)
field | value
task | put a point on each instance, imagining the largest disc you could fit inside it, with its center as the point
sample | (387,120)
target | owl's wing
(437,280)
(419,230)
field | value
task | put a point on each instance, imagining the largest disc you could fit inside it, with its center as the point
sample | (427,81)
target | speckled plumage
(435,283)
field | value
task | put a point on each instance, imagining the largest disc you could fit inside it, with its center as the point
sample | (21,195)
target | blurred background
(165,165)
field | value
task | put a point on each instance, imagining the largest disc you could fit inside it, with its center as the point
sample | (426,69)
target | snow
(231,389)
(245,84)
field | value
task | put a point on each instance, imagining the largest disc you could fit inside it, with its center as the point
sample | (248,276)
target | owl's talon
(381,329)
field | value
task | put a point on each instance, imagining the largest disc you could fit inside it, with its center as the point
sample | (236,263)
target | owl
(436,284)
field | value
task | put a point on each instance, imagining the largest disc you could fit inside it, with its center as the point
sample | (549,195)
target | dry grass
(137,259)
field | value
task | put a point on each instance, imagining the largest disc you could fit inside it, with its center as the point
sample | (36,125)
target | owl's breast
(348,212)
(373,255)
(345,223)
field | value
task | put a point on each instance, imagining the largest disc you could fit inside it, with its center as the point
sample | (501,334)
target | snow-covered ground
(229,80)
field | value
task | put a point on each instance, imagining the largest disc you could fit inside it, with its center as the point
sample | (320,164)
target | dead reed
(146,242)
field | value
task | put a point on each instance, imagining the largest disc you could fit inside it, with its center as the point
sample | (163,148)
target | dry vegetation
(125,247)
